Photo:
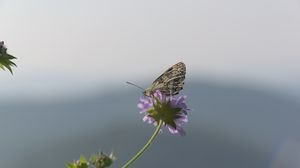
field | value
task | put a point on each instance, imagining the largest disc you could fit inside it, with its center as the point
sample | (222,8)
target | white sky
(75,46)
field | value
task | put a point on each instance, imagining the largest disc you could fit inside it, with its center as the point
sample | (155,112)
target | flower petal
(148,119)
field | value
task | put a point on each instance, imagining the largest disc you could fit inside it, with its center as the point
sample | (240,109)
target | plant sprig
(6,59)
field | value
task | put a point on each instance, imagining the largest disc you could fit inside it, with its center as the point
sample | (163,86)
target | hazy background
(68,95)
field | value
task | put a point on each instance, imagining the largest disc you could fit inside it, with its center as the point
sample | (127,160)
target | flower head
(102,160)
(170,109)
(5,58)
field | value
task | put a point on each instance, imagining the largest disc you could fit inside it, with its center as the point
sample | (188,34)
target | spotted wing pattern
(170,82)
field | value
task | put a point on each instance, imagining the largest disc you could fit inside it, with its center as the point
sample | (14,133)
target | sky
(69,48)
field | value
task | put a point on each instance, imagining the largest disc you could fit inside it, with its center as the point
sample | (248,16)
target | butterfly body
(170,82)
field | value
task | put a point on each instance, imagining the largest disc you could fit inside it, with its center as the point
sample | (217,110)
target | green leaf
(70,165)
(81,163)
(82,159)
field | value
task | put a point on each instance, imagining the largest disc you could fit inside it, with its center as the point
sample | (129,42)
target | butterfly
(170,82)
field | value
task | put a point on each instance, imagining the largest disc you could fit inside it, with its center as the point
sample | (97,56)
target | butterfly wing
(170,82)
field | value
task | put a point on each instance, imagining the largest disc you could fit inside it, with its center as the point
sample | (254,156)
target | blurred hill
(231,126)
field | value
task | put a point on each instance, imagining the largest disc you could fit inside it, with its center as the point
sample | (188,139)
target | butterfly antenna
(135,86)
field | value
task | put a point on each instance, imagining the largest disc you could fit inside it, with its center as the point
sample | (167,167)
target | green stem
(146,145)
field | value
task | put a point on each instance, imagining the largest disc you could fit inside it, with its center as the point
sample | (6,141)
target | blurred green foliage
(6,59)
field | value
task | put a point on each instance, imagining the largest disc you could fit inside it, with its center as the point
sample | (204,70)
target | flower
(5,58)
(101,160)
(171,110)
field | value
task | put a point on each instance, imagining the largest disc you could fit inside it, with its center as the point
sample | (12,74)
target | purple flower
(170,109)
